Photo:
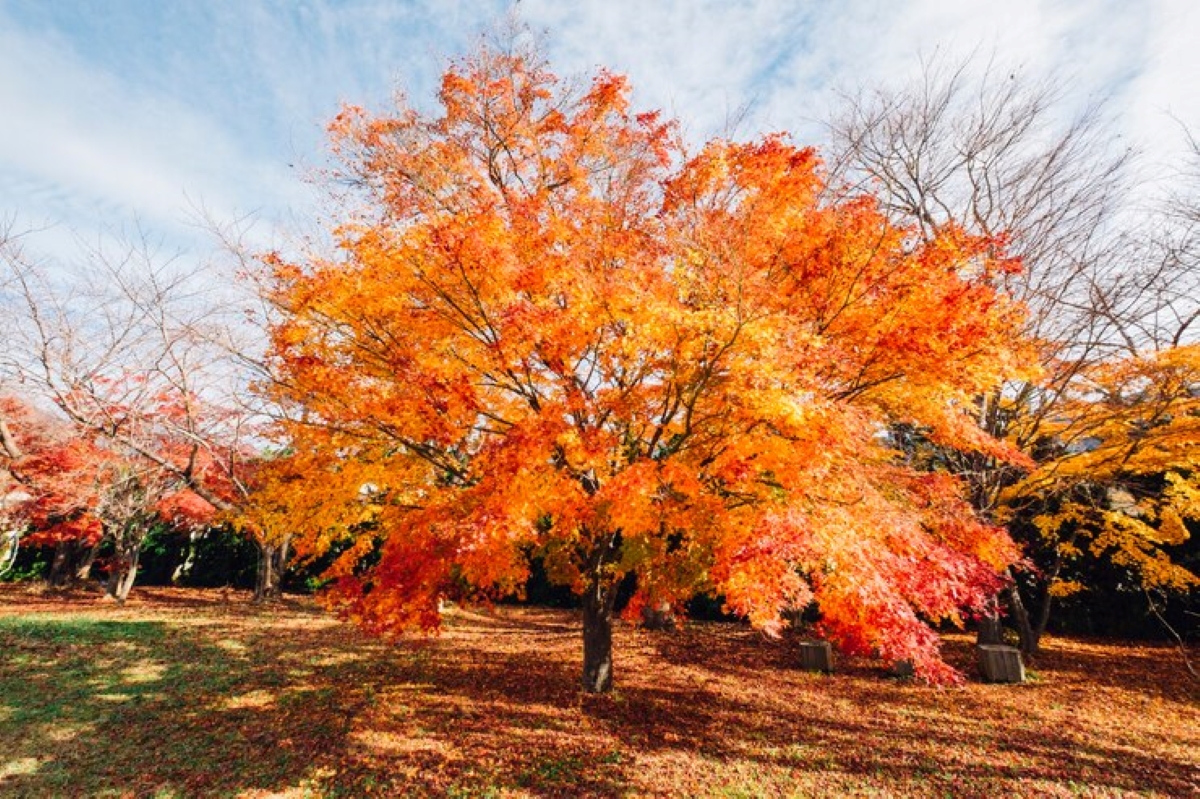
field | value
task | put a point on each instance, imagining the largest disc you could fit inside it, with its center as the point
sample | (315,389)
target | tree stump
(816,656)
(659,617)
(1000,663)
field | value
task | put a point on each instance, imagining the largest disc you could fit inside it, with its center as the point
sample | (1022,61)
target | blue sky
(122,112)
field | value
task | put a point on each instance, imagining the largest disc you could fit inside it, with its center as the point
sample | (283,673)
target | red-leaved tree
(51,488)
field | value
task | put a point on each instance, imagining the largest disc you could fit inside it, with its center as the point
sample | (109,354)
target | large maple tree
(550,330)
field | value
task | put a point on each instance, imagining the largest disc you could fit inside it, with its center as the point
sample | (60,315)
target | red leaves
(186,509)
(55,481)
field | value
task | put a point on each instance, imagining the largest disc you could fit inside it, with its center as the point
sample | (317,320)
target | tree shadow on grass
(283,701)
(102,707)
(968,741)
(97,707)
(1155,670)
(727,696)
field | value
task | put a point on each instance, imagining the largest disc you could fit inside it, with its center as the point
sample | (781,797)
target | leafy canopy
(549,329)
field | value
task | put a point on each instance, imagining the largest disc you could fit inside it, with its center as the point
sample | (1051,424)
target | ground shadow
(227,699)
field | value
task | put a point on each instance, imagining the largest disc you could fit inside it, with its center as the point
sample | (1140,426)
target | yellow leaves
(1144,412)
(1183,494)
(1122,463)
(1171,529)
(1060,589)
(1134,543)
(1051,526)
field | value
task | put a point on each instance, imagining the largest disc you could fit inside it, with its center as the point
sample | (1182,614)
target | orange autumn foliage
(282,503)
(551,330)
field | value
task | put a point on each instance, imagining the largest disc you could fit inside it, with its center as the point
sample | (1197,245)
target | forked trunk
(124,573)
(597,637)
(125,559)
(272,561)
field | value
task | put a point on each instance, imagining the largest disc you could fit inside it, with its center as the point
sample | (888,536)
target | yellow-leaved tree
(1127,479)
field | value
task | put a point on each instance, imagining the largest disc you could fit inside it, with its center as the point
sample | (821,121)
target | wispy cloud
(136,109)
(789,60)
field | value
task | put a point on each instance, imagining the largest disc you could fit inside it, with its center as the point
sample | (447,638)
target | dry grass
(186,693)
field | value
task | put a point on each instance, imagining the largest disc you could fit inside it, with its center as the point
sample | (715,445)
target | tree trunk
(1029,639)
(125,562)
(266,584)
(60,566)
(184,569)
(124,573)
(126,583)
(1043,619)
(272,561)
(10,546)
(72,562)
(991,630)
(83,567)
(597,637)
(1038,627)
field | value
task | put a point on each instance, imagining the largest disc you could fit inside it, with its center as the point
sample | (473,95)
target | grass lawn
(189,693)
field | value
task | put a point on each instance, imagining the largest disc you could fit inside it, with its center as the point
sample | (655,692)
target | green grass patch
(98,707)
(84,632)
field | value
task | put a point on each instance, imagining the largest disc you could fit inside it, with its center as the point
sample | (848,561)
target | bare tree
(129,512)
(143,352)
(1175,246)
(990,151)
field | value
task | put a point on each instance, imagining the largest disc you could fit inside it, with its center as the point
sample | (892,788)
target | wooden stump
(1000,663)
(816,656)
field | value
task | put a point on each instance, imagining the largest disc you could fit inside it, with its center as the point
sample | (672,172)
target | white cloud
(699,61)
(145,114)
(1163,96)
(134,113)
(82,147)
(702,60)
